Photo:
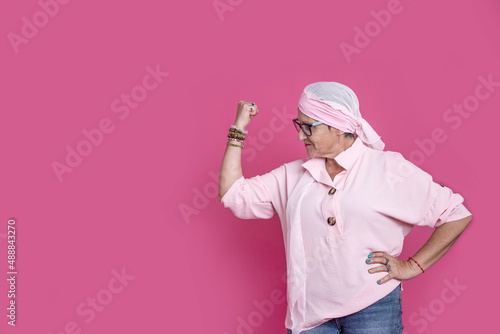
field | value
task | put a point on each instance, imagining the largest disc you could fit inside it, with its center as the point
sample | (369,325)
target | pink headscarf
(337,105)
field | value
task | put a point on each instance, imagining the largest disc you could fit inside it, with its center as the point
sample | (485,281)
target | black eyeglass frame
(306,127)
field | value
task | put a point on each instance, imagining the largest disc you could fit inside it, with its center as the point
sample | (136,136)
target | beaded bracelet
(238,140)
(410,258)
(238,128)
(237,134)
(237,131)
(229,144)
(233,135)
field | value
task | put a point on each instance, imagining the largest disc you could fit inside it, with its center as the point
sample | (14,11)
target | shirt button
(331,221)
(332,191)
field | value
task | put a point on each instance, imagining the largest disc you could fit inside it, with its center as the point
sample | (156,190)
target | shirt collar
(346,159)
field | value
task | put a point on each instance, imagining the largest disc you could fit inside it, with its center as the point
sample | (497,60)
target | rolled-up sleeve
(263,196)
(249,199)
(418,200)
(446,206)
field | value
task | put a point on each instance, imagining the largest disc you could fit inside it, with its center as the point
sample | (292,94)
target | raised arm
(230,170)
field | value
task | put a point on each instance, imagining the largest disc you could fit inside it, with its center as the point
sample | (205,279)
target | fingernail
(368,260)
(379,281)
(370,255)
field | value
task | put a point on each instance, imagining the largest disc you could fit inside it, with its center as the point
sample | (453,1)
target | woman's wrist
(236,136)
(415,266)
(239,126)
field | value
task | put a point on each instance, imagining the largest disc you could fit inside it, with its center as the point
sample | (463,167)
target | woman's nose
(302,135)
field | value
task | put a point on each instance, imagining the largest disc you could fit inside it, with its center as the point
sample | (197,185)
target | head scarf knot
(337,105)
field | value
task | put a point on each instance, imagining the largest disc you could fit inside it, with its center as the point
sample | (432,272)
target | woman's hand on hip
(394,267)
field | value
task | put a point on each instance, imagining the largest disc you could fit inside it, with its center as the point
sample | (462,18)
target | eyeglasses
(306,127)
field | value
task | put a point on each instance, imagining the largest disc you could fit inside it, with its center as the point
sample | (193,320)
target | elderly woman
(344,213)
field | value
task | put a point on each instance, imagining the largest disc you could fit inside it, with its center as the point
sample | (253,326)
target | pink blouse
(330,227)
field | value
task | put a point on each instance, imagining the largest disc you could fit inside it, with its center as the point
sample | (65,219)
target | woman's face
(322,143)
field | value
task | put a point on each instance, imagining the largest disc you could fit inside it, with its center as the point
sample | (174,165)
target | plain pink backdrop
(144,200)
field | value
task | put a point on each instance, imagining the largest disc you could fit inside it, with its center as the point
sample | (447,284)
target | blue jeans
(382,317)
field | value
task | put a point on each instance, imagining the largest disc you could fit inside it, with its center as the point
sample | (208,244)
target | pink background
(144,199)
